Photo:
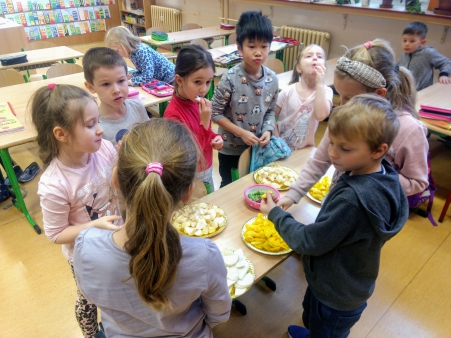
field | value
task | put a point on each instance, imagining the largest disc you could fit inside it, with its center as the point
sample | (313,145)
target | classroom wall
(358,29)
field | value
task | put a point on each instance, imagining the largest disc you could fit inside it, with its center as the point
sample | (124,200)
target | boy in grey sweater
(420,59)
(341,250)
(244,102)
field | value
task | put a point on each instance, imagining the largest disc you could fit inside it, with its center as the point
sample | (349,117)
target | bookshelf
(135,15)
(48,19)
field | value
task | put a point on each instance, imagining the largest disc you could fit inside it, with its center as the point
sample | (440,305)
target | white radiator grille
(306,37)
(169,18)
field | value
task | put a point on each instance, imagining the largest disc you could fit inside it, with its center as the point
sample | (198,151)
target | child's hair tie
(155,167)
(368,44)
(51,86)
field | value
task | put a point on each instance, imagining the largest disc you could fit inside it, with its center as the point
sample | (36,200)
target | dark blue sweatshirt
(341,250)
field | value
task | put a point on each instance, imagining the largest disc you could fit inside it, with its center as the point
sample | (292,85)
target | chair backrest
(200,42)
(63,69)
(155,29)
(10,77)
(188,26)
(232,38)
(275,65)
(244,163)
(40,44)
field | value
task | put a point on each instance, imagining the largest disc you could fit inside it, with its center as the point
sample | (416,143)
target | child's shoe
(295,331)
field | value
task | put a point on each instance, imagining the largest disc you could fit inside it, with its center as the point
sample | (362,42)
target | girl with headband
(371,68)
(75,190)
(147,279)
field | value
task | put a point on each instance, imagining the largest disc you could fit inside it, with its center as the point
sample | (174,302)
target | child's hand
(285,203)
(264,140)
(267,204)
(217,142)
(320,74)
(130,83)
(248,137)
(205,112)
(129,76)
(118,145)
(106,223)
(444,80)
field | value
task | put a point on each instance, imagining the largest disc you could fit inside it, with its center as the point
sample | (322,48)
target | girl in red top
(194,71)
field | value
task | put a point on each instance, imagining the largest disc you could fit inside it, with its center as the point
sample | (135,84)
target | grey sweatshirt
(422,63)
(246,102)
(341,249)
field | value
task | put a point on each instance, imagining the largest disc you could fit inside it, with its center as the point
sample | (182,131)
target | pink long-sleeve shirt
(407,155)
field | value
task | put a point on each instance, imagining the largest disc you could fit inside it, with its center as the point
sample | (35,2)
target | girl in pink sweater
(194,73)
(371,68)
(75,189)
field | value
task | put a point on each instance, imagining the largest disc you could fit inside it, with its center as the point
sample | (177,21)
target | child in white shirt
(306,101)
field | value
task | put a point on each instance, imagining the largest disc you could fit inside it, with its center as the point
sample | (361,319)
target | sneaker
(295,331)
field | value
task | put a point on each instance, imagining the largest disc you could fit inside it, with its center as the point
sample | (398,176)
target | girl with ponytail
(147,279)
(371,68)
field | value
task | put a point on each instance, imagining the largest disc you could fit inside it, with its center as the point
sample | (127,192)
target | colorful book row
(64,29)
(60,16)
(18,6)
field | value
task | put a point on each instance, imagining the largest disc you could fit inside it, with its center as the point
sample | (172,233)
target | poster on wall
(32,33)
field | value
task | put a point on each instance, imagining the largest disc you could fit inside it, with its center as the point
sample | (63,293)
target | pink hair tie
(155,167)
(368,44)
(51,86)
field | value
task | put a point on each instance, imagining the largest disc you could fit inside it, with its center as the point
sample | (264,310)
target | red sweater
(187,113)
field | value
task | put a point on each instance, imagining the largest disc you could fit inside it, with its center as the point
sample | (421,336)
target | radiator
(169,18)
(306,37)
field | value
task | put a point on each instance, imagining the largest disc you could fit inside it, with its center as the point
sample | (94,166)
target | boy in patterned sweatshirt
(244,101)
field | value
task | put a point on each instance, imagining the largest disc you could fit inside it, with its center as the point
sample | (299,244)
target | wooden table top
(19,95)
(231,200)
(184,36)
(436,95)
(284,78)
(43,56)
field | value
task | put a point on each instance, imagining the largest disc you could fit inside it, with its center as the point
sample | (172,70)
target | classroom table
(284,78)
(175,38)
(231,199)
(18,96)
(41,58)
(436,95)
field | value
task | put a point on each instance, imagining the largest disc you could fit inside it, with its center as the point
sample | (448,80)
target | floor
(412,297)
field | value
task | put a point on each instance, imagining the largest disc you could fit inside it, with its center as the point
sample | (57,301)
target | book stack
(437,116)
(8,120)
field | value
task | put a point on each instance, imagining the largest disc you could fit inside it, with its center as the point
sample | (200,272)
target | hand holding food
(261,234)
(199,220)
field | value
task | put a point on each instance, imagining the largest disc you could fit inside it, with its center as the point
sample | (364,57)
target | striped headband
(361,72)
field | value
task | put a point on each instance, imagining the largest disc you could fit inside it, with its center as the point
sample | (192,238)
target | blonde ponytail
(153,243)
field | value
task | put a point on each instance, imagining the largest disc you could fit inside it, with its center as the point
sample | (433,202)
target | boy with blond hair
(341,249)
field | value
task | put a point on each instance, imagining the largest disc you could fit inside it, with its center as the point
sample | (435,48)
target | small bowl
(258,187)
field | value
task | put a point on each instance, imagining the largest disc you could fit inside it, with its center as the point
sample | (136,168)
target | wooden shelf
(395,13)
(134,24)
(135,12)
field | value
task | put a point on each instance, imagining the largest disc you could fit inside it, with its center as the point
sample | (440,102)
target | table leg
(162,107)
(209,95)
(279,55)
(18,201)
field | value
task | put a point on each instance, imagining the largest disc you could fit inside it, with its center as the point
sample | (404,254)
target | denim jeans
(325,322)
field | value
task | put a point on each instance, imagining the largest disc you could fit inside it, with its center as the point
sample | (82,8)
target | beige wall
(358,29)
